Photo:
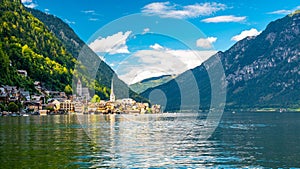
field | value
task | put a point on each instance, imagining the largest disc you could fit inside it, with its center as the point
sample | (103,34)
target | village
(16,101)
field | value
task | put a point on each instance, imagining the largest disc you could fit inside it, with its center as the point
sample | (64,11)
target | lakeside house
(57,102)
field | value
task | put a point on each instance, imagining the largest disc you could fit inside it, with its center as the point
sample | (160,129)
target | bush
(2,108)
(13,107)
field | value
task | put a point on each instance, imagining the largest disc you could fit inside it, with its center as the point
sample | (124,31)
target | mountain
(27,44)
(261,71)
(103,75)
(51,52)
(145,84)
(76,47)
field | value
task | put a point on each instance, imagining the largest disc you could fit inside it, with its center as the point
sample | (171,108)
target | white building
(85,93)
(112,95)
(79,88)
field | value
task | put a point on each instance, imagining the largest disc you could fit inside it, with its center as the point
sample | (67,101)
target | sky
(147,38)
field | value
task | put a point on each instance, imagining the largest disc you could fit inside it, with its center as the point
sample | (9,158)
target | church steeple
(112,95)
(79,88)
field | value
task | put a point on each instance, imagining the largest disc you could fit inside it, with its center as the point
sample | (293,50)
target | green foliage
(13,107)
(50,109)
(294,13)
(3,107)
(28,44)
(68,90)
(47,49)
(4,67)
(95,99)
(74,45)
(149,83)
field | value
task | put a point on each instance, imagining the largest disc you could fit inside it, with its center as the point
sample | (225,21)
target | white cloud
(69,22)
(156,47)
(284,11)
(29,3)
(150,63)
(111,44)
(146,30)
(26,1)
(47,11)
(225,18)
(88,11)
(93,19)
(206,42)
(168,10)
(246,33)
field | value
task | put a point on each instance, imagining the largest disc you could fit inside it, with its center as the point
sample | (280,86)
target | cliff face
(265,70)
(260,71)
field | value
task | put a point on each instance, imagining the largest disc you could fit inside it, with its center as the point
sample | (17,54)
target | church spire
(79,88)
(112,95)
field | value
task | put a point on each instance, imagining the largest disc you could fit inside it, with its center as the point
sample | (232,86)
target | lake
(241,140)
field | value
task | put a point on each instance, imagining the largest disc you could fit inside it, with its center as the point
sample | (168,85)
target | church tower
(79,88)
(112,95)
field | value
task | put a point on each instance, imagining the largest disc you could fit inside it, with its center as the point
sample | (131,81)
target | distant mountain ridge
(143,85)
(261,71)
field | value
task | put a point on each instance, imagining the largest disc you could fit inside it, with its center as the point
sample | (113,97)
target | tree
(68,90)
(2,107)
(4,65)
(95,99)
(13,107)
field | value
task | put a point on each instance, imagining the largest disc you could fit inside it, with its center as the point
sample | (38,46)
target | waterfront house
(13,93)
(32,106)
(55,104)
(38,98)
(3,95)
(24,95)
(78,107)
(67,106)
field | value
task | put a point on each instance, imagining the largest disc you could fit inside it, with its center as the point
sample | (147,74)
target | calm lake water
(242,140)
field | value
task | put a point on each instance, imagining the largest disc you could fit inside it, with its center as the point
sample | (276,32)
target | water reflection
(115,141)
(152,141)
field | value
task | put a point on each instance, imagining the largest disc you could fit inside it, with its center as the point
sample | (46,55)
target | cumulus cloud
(156,46)
(246,33)
(111,44)
(168,10)
(224,18)
(206,42)
(144,64)
(29,3)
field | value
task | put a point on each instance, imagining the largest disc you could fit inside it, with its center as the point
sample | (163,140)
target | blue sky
(219,25)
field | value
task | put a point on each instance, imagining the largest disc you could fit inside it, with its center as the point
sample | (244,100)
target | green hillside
(27,44)
(101,80)
(143,85)
(47,48)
